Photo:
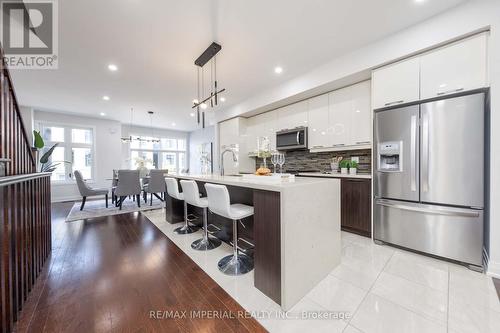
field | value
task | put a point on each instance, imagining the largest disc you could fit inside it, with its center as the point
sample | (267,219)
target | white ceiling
(154,43)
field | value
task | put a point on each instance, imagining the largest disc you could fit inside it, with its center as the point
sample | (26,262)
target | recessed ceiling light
(192,114)
(278,70)
(223,99)
(102,114)
(112,67)
(420,1)
(357,111)
(106,98)
(173,124)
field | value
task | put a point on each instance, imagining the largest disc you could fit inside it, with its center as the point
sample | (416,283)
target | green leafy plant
(45,164)
(39,143)
(354,165)
(345,164)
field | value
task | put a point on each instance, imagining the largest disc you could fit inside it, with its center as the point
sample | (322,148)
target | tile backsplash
(301,160)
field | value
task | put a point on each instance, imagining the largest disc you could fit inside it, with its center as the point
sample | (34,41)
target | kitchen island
(295,229)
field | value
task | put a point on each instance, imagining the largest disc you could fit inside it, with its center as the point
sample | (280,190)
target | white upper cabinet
(318,122)
(456,67)
(361,117)
(397,83)
(264,125)
(340,110)
(292,116)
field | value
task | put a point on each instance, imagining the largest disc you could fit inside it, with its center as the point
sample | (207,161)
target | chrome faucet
(221,165)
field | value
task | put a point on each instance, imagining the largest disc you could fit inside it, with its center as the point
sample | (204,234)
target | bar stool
(173,191)
(219,203)
(191,195)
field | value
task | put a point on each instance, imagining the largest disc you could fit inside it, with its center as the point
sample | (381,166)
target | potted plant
(45,164)
(344,166)
(353,168)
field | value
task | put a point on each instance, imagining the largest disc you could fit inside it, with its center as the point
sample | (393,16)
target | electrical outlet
(355,159)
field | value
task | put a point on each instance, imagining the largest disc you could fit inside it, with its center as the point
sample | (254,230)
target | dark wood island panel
(267,234)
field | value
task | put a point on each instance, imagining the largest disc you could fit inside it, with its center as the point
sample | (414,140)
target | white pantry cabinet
(340,109)
(361,117)
(318,122)
(293,115)
(397,83)
(460,66)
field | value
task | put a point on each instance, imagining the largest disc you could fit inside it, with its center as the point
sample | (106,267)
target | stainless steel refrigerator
(429,177)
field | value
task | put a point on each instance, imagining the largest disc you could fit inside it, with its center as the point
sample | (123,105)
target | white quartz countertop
(256,182)
(334,175)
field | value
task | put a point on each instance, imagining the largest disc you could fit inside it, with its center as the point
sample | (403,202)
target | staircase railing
(25,216)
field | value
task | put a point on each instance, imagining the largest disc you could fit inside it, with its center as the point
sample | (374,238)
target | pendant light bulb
(203,106)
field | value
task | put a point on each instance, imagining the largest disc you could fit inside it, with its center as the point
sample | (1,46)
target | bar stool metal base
(203,244)
(236,265)
(186,229)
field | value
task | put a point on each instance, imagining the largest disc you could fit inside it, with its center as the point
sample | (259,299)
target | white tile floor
(379,288)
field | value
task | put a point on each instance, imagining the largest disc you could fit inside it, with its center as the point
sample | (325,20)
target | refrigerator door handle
(425,209)
(425,151)
(413,152)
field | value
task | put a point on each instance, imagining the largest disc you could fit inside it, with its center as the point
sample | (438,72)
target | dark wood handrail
(11,180)
(12,119)
(25,209)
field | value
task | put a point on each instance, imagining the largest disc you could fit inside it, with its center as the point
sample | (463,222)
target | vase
(353,171)
(344,171)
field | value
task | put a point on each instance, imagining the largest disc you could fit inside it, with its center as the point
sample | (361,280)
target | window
(167,154)
(76,145)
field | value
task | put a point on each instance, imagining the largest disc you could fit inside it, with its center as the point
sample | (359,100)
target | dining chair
(87,191)
(114,183)
(129,184)
(156,184)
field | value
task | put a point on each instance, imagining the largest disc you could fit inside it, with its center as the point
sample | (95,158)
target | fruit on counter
(263,172)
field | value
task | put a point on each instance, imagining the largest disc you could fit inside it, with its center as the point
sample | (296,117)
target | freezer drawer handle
(392,103)
(447,212)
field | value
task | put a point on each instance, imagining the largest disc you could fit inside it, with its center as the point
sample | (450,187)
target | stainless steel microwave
(292,139)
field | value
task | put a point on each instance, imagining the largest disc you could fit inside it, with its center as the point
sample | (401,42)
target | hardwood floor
(117,274)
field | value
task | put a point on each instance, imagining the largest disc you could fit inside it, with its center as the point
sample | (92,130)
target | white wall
(146,131)
(196,138)
(27,113)
(470,17)
(107,150)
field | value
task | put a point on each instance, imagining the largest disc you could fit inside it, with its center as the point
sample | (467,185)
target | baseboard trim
(494,269)
(75,198)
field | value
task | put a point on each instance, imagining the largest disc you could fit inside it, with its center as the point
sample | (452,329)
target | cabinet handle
(392,103)
(318,147)
(449,91)
(339,145)
(363,142)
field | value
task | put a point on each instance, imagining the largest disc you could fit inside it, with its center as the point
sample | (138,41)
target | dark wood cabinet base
(356,214)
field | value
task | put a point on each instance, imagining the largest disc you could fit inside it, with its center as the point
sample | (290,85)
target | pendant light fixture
(129,138)
(153,140)
(202,102)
